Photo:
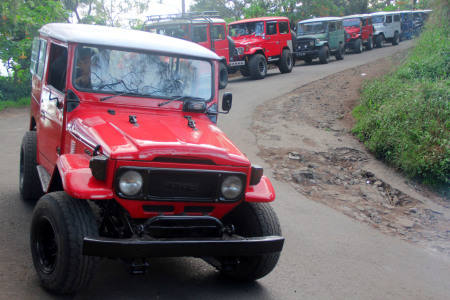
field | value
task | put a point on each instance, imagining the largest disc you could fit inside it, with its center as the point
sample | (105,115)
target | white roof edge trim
(125,38)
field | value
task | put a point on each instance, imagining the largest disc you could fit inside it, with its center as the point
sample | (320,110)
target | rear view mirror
(226,102)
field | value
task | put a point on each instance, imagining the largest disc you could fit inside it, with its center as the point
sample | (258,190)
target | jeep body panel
(358,27)
(267,36)
(313,34)
(124,153)
(209,32)
(407,24)
(386,24)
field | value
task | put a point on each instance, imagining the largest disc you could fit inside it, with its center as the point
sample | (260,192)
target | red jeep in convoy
(206,29)
(261,41)
(359,32)
(125,160)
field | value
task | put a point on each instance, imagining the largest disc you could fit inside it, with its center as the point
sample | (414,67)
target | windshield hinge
(191,123)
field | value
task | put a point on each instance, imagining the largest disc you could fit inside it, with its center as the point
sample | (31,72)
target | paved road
(327,255)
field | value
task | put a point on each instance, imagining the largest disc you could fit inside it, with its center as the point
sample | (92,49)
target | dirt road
(305,137)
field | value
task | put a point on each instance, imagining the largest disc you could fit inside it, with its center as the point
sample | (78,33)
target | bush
(10,91)
(404,117)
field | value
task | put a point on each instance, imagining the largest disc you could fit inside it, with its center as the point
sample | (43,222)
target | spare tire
(294,40)
(231,46)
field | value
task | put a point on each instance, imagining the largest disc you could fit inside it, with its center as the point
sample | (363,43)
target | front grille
(305,45)
(186,185)
(166,184)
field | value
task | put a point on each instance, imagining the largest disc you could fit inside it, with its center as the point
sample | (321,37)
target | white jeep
(387,28)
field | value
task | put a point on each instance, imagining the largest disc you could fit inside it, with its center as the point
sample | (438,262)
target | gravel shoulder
(305,137)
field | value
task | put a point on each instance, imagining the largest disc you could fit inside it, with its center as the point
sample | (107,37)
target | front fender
(253,50)
(77,179)
(262,192)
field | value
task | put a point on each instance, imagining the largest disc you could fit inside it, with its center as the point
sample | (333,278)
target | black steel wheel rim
(261,67)
(46,245)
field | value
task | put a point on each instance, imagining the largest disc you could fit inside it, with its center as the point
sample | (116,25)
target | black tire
(340,52)
(286,62)
(379,41)
(324,55)
(223,76)
(294,40)
(244,72)
(253,220)
(396,39)
(369,45)
(58,227)
(29,183)
(358,47)
(257,66)
(308,60)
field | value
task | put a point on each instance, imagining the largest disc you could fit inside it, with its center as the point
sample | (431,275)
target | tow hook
(136,266)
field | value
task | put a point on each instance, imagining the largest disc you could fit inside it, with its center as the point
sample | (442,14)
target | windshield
(112,71)
(175,30)
(351,22)
(250,28)
(377,19)
(311,28)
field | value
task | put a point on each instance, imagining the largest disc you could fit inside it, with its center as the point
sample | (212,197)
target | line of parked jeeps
(249,45)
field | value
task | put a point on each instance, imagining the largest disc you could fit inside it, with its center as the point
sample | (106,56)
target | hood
(164,135)
(252,41)
(352,29)
(322,36)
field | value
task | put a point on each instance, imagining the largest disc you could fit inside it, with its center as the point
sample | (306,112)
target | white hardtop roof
(124,38)
(185,21)
(382,13)
(321,19)
(356,16)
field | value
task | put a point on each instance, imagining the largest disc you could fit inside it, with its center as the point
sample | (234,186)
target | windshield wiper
(119,94)
(181,98)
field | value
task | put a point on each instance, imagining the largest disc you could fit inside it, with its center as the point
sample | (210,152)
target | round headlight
(311,43)
(232,187)
(130,183)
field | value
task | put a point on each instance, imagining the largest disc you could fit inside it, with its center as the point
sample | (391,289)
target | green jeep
(320,37)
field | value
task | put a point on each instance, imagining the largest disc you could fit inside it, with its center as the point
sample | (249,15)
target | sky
(167,7)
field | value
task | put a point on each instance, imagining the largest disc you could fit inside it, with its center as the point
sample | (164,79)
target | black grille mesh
(174,185)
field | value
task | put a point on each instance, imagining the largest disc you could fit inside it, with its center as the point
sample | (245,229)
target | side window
(339,25)
(34,55)
(364,22)
(271,28)
(58,67)
(284,27)
(41,60)
(396,18)
(332,26)
(218,32)
(388,19)
(199,34)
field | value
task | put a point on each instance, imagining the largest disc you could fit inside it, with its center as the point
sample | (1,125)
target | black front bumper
(302,54)
(198,247)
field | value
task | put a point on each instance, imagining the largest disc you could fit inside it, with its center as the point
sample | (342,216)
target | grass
(19,103)
(404,117)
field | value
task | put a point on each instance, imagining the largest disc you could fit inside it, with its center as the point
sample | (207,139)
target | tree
(19,24)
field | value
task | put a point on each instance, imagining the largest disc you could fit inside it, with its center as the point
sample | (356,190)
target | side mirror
(227,99)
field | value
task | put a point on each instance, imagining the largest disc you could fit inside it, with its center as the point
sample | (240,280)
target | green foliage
(10,90)
(19,24)
(9,103)
(404,117)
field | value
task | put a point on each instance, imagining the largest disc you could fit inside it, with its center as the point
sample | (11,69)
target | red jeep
(127,162)
(206,29)
(260,41)
(359,32)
